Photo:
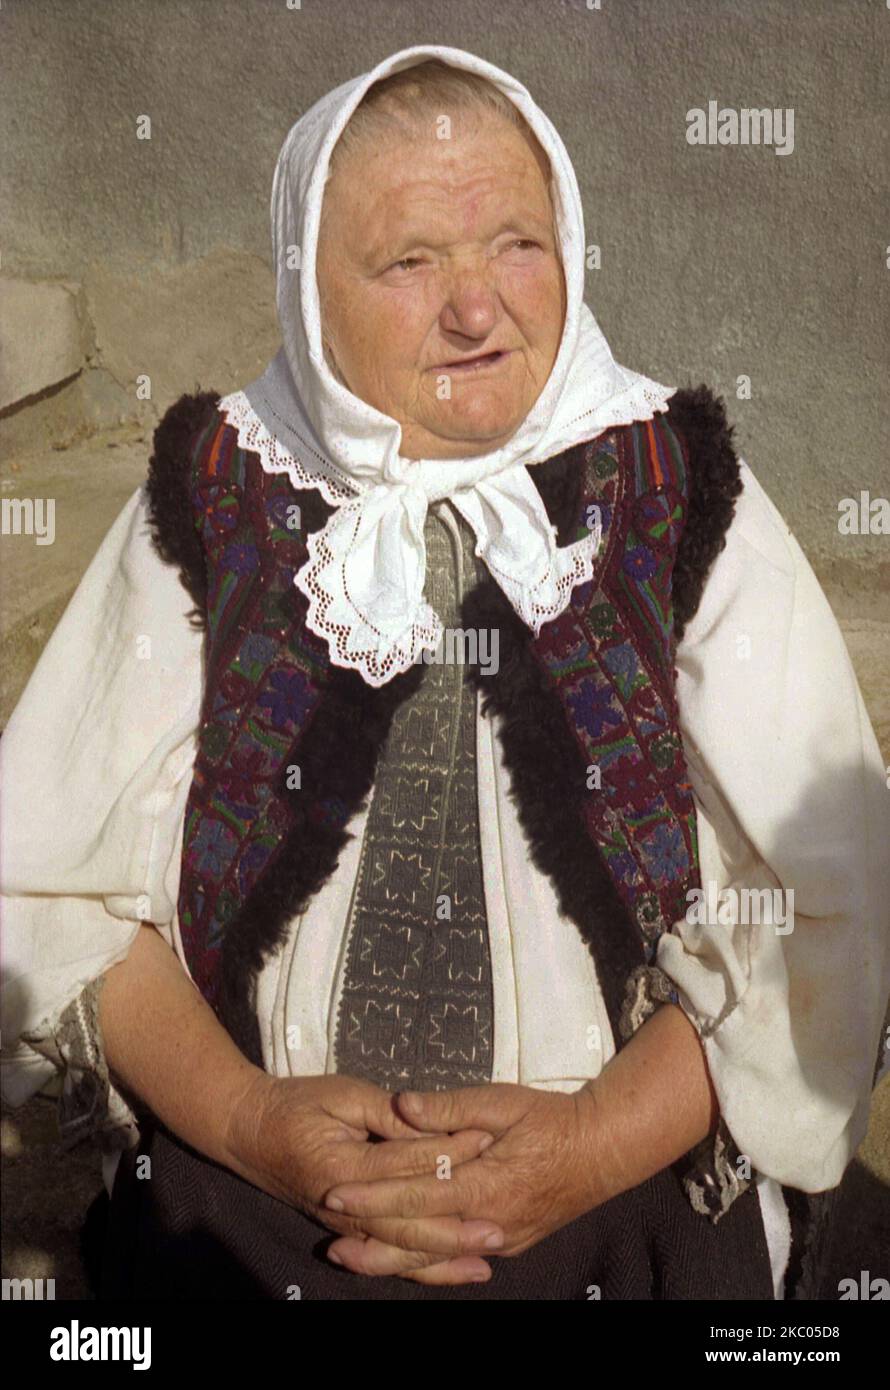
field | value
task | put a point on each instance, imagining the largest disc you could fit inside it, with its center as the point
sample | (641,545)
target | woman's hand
(296,1138)
(554,1156)
(293,1138)
(539,1174)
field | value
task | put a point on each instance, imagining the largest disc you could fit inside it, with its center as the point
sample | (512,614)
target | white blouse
(790,793)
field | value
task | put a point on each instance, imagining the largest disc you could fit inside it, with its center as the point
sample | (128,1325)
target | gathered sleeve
(791,796)
(95,768)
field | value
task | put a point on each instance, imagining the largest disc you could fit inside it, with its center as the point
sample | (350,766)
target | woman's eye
(408,263)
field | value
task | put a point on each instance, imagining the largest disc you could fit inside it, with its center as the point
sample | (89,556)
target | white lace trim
(540,603)
(254,436)
(344,623)
(354,642)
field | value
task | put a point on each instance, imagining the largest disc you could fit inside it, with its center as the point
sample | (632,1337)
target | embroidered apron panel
(416,1009)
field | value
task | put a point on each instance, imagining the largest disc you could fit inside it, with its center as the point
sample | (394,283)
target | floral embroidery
(609,654)
(243,559)
(640,563)
(618,687)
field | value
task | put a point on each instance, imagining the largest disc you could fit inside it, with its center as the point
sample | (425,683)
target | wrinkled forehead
(372,165)
(393,125)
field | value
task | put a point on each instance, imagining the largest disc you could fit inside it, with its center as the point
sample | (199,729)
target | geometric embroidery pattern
(416,1008)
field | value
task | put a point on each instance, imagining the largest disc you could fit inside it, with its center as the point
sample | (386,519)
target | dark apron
(193,1230)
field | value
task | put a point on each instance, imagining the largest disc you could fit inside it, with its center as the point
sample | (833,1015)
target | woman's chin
(476,427)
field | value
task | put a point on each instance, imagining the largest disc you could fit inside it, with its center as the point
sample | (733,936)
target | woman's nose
(470,303)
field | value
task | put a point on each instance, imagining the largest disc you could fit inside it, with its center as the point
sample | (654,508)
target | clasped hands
(421,1185)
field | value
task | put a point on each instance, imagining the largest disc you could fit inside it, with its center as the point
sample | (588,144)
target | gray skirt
(193,1230)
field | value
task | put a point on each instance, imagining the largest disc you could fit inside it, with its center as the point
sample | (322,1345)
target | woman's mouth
(479,363)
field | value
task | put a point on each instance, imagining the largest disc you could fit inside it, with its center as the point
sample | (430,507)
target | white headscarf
(365,574)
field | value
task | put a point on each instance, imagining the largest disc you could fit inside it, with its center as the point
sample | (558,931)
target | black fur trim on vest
(699,418)
(548,784)
(338,759)
(170,507)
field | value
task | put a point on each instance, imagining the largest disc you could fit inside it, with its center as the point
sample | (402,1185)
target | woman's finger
(433,1154)
(373,1257)
(461,1271)
(413,1197)
(362,1105)
(439,1235)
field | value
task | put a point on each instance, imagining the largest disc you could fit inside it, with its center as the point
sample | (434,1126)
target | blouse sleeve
(95,765)
(787,993)
(91,1105)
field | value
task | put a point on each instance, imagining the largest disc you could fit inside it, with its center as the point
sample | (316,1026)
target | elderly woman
(412,977)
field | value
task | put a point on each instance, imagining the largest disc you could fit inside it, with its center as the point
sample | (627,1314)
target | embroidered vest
(288,742)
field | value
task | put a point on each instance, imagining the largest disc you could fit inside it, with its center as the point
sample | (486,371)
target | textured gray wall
(717,262)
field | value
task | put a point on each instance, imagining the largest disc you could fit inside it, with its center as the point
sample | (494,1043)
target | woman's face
(433,252)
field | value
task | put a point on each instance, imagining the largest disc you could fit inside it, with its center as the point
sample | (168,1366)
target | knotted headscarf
(364,578)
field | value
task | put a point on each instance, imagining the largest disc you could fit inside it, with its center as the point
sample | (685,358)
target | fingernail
(332,1255)
(480,1278)
(484,1143)
(411,1102)
(494,1241)
(334,1203)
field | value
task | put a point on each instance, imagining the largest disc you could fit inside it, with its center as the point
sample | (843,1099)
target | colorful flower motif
(254,656)
(233,805)
(581,595)
(640,563)
(287,698)
(595,709)
(249,765)
(212,847)
(627,779)
(242,558)
(659,517)
(218,507)
(624,667)
(602,620)
(664,852)
(605,464)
